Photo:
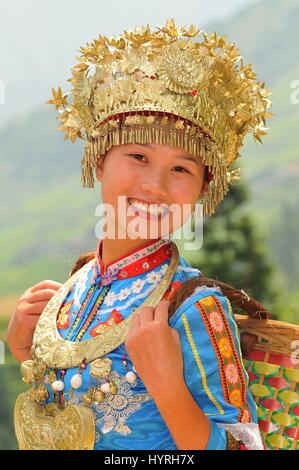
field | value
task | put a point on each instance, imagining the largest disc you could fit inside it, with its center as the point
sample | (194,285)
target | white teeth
(150,209)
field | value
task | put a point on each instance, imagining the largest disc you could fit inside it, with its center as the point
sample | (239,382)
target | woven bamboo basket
(272,365)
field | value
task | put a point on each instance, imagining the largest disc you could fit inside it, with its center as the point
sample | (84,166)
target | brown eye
(136,155)
(184,169)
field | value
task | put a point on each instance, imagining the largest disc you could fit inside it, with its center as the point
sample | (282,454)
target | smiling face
(148,174)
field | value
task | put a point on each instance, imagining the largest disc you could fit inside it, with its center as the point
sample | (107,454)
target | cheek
(186,190)
(116,180)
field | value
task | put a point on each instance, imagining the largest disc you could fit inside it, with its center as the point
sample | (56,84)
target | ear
(100,168)
(204,188)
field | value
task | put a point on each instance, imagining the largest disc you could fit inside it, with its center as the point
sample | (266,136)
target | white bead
(57,386)
(76,381)
(105,387)
(130,377)
(46,379)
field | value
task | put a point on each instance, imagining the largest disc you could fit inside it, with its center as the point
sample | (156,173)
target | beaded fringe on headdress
(199,144)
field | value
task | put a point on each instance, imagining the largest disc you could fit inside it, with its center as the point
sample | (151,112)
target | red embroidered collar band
(134,262)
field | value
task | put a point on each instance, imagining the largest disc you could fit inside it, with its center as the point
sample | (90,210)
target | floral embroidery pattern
(225,347)
(117,408)
(153,277)
(235,398)
(109,276)
(137,286)
(132,300)
(63,319)
(80,287)
(114,318)
(110,298)
(230,368)
(124,293)
(248,433)
(231,373)
(216,321)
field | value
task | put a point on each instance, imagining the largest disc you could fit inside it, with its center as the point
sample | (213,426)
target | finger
(34,309)
(31,322)
(176,336)
(161,311)
(41,295)
(146,315)
(47,284)
(134,325)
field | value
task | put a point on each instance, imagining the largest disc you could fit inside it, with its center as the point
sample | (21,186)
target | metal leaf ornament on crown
(164,87)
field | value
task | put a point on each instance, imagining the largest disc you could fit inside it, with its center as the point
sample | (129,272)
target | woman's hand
(23,322)
(155,349)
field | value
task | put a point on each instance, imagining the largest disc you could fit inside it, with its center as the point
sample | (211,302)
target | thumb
(176,336)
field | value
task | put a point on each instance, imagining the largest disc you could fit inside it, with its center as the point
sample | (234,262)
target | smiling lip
(148,211)
(143,201)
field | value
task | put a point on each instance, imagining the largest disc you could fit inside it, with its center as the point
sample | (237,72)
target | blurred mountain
(267,34)
(47,219)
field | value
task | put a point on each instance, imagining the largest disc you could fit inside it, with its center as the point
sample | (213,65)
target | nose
(154,185)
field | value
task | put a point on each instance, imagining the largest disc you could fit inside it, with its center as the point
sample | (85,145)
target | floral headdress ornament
(164,87)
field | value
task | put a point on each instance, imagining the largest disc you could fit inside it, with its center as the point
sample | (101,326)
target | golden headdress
(164,87)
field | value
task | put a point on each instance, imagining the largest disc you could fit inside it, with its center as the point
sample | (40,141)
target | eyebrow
(185,157)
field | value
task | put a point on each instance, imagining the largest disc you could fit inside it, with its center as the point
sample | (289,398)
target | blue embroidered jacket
(213,369)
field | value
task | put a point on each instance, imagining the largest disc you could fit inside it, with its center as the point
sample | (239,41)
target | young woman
(163,117)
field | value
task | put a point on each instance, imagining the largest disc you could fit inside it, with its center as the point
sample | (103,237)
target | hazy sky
(39,40)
